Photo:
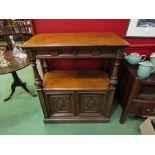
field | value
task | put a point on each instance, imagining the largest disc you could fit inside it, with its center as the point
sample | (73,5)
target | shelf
(16,25)
(19,43)
(20,30)
(76,80)
(3,43)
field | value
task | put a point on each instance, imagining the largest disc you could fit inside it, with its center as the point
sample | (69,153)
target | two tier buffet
(76,95)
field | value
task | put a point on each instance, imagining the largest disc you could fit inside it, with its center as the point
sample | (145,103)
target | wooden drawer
(96,52)
(92,103)
(60,103)
(142,108)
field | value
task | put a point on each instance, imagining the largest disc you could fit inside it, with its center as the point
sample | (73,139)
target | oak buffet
(76,95)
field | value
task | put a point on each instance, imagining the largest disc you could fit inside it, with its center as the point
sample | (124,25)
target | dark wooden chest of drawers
(137,96)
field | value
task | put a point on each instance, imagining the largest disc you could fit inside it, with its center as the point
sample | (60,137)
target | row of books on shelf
(16,26)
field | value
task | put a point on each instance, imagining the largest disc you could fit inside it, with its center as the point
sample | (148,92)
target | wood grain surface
(76,79)
(75,39)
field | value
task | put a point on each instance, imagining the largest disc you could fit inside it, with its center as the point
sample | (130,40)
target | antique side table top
(75,39)
(15,64)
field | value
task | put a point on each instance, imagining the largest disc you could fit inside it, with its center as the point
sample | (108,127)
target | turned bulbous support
(114,76)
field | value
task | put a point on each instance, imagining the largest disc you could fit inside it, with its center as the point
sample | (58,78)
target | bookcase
(76,95)
(20,29)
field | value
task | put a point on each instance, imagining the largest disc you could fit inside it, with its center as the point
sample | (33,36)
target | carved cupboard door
(60,103)
(92,103)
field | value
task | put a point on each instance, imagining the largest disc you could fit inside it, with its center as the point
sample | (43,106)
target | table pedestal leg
(16,83)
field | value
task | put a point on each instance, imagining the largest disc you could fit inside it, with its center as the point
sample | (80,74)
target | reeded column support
(38,81)
(114,75)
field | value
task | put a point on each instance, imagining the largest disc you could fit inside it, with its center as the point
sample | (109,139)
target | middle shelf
(76,80)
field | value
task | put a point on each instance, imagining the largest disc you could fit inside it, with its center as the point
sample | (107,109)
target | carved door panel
(92,103)
(60,104)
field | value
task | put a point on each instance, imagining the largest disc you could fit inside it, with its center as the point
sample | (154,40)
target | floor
(22,115)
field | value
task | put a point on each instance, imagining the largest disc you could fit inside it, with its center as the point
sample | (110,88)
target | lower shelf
(77,119)
(76,79)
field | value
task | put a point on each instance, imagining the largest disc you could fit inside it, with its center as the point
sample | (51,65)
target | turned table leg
(18,83)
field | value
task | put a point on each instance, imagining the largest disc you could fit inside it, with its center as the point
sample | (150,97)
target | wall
(141,45)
